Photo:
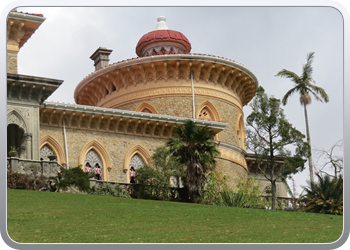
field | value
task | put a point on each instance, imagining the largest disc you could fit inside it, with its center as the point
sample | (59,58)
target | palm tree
(195,149)
(304,86)
(324,196)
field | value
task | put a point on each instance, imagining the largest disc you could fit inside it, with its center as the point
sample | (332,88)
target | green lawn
(36,217)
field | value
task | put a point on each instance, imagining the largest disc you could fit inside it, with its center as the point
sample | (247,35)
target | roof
(163,34)
(32,14)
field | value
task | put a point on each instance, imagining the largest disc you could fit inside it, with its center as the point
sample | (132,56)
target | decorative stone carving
(45,151)
(92,157)
(136,162)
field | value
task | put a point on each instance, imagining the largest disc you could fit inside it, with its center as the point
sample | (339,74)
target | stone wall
(11,62)
(182,106)
(232,170)
(116,145)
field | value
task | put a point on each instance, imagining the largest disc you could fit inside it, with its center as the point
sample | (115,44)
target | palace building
(126,109)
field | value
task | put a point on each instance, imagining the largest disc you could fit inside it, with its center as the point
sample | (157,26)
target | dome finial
(161,25)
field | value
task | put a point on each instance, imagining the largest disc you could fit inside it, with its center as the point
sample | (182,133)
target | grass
(44,217)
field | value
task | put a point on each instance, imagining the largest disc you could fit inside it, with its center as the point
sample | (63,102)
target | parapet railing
(36,167)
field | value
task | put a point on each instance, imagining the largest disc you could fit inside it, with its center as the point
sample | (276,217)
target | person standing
(98,172)
(132,175)
(88,167)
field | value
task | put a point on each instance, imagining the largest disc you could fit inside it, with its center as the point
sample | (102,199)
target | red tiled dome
(162,36)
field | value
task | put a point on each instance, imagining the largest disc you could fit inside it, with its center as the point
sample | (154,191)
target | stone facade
(11,62)
(117,147)
(125,110)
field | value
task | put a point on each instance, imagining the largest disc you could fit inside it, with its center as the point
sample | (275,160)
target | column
(28,138)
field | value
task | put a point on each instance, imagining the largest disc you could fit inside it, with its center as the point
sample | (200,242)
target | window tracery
(45,151)
(205,115)
(136,162)
(92,157)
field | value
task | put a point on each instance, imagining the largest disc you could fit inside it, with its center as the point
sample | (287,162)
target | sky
(264,39)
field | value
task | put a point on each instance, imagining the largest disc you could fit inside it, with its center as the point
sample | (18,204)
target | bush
(324,196)
(154,179)
(248,195)
(73,177)
(107,190)
(25,181)
(17,180)
(215,183)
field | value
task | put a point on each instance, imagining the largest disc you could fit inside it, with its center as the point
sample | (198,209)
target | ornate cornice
(30,89)
(20,27)
(115,121)
(118,78)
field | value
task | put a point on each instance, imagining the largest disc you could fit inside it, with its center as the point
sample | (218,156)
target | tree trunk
(311,169)
(273,195)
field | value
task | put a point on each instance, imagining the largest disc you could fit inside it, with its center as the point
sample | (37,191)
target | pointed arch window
(205,114)
(136,162)
(45,151)
(93,158)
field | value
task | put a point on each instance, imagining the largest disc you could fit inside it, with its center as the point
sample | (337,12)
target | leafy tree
(270,138)
(154,179)
(303,86)
(194,148)
(73,177)
(324,196)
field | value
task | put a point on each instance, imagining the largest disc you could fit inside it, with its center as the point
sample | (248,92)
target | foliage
(270,138)
(248,194)
(303,86)
(24,181)
(324,196)
(17,181)
(154,179)
(91,174)
(108,190)
(193,146)
(214,184)
(73,177)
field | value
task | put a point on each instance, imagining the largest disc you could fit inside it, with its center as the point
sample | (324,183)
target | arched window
(136,162)
(146,108)
(208,112)
(241,131)
(205,114)
(45,151)
(93,158)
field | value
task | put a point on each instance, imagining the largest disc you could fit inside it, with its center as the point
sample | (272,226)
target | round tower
(161,80)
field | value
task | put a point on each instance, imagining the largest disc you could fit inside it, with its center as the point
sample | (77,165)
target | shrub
(25,181)
(73,177)
(324,196)
(17,180)
(248,195)
(107,190)
(154,179)
(214,185)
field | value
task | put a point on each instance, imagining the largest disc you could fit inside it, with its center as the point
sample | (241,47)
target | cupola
(162,41)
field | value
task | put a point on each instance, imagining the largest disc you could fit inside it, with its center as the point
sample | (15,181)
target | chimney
(101,57)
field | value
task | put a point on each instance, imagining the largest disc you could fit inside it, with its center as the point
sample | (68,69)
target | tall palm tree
(304,86)
(194,148)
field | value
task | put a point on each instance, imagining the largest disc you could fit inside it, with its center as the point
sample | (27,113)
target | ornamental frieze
(169,91)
